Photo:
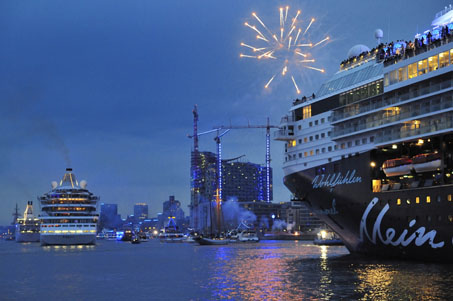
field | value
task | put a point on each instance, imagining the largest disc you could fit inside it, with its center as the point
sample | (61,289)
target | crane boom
(268,127)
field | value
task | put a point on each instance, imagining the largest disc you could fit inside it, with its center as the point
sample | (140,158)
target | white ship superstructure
(69,213)
(372,152)
(27,227)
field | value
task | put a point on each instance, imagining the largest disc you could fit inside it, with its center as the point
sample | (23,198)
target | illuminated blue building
(242,181)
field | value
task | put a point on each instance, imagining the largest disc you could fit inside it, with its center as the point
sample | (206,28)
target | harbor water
(268,270)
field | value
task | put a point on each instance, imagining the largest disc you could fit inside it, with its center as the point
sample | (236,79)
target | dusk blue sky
(110,85)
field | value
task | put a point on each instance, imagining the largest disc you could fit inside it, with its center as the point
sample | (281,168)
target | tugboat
(27,228)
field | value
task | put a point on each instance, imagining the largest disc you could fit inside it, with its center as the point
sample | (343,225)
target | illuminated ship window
(305,139)
(417,200)
(443,59)
(402,74)
(450,218)
(408,201)
(438,198)
(412,70)
(398,202)
(433,63)
(422,67)
(428,199)
(449,197)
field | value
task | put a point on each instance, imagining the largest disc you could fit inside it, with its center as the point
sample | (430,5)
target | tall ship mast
(27,227)
(371,153)
(69,213)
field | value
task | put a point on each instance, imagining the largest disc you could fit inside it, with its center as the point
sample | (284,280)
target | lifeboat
(397,167)
(426,162)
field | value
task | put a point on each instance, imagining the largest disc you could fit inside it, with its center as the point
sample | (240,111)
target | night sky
(108,87)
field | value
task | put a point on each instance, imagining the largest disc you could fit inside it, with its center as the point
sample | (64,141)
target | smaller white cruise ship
(69,213)
(27,227)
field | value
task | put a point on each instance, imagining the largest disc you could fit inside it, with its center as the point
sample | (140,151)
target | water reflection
(305,271)
(70,248)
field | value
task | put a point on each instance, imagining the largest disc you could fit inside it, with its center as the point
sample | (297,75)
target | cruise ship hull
(27,237)
(80,239)
(399,223)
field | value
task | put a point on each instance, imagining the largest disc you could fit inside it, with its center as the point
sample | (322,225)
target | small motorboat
(397,167)
(327,238)
(426,162)
(135,240)
(247,236)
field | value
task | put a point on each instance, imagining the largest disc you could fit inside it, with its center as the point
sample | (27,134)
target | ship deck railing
(408,53)
(431,128)
(404,113)
(368,105)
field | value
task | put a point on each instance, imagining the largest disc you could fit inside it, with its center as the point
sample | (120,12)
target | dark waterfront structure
(372,154)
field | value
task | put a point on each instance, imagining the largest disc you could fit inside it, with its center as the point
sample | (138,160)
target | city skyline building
(140,212)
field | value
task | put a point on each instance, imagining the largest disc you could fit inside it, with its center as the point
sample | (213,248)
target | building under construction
(241,181)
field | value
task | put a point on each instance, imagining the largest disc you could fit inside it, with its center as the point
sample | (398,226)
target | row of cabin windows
(310,124)
(427,200)
(419,68)
(323,150)
(356,142)
(315,137)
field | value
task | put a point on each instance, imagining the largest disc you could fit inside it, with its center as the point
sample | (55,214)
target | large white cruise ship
(69,213)
(372,153)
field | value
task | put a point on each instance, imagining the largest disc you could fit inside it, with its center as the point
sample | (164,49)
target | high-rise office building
(140,212)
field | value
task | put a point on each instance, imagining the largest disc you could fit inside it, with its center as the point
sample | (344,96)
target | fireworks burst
(289,45)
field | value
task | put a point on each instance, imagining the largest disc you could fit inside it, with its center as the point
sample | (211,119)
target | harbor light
(323,234)
(373,164)
(394,146)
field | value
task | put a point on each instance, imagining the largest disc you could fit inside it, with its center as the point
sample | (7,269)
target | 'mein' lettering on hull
(418,237)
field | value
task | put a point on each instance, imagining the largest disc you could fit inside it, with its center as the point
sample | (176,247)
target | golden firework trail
(321,41)
(283,44)
(295,85)
(313,68)
(311,22)
(269,82)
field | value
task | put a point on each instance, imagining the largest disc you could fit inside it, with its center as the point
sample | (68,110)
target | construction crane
(268,127)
